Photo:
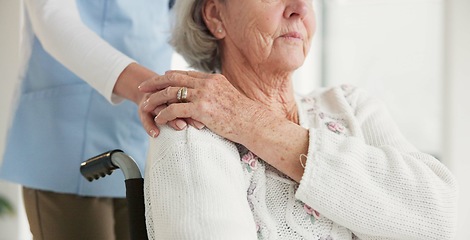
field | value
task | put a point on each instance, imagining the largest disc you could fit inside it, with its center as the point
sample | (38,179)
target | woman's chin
(292,63)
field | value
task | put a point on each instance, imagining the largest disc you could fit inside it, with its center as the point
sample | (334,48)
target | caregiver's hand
(126,87)
(147,118)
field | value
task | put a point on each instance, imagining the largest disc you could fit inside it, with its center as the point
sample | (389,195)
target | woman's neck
(271,89)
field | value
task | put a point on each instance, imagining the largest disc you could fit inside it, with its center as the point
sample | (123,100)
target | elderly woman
(268,164)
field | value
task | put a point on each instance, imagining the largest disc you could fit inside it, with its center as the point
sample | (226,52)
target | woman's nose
(296,8)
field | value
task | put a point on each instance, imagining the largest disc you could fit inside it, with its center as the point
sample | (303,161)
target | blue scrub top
(60,121)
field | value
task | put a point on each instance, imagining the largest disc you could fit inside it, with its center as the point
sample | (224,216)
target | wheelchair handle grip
(105,163)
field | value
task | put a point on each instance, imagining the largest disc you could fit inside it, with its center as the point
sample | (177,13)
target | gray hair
(192,39)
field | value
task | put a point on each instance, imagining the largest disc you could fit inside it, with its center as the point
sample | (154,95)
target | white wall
(9,32)
(11,227)
(310,75)
(394,49)
(456,112)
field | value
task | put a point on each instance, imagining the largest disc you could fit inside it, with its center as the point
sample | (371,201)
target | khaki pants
(56,216)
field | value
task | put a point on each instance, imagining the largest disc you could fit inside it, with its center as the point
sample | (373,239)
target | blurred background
(413,54)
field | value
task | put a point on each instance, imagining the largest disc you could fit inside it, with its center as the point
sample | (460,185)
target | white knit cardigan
(362,180)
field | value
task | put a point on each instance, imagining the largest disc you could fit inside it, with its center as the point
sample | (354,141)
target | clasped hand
(210,101)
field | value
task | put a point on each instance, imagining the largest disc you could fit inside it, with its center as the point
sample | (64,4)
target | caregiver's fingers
(148,123)
(193,74)
(172,78)
(155,83)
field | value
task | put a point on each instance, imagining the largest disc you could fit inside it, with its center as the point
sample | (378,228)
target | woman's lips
(296,35)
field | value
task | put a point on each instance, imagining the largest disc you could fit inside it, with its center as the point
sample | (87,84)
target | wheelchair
(104,164)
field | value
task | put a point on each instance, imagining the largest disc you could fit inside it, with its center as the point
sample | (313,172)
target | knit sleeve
(194,188)
(374,182)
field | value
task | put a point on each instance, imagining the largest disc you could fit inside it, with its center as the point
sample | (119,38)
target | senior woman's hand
(210,99)
(126,87)
(147,116)
(213,101)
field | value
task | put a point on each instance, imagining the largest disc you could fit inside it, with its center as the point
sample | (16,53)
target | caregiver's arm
(59,28)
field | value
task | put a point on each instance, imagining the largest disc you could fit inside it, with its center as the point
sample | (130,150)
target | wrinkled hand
(147,116)
(211,100)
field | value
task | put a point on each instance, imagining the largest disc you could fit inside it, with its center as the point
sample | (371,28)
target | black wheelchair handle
(105,163)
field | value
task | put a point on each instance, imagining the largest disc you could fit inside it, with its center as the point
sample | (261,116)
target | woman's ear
(212,18)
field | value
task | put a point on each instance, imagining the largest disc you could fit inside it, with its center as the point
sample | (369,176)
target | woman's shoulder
(169,137)
(168,134)
(339,91)
(338,99)
(344,93)
(170,143)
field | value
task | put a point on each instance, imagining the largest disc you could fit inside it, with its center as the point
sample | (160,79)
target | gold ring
(182,94)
